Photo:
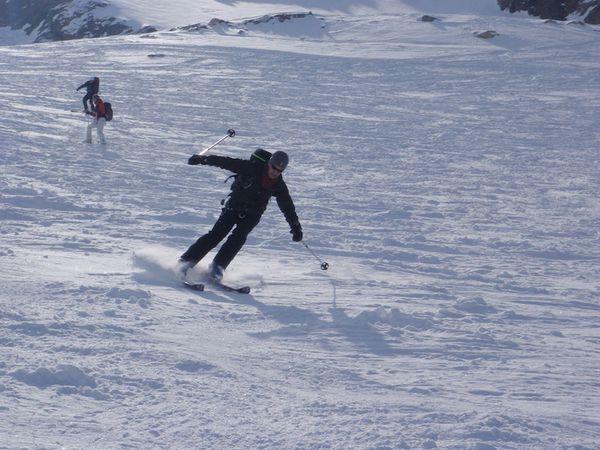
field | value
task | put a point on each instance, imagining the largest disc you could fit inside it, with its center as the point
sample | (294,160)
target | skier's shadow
(285,315)
(294,321)
(298,322)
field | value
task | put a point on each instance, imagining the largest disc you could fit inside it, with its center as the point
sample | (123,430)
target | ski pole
(230,133)
(324,265)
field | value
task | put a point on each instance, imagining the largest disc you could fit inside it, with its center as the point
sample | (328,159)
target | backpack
(109,112)
(259,156)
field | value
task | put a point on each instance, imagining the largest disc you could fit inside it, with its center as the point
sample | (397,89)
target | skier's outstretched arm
(223,162)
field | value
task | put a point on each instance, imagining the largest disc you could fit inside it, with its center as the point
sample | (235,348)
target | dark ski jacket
(248,192)
(92,85)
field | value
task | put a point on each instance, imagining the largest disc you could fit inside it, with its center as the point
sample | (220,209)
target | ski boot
(216,272)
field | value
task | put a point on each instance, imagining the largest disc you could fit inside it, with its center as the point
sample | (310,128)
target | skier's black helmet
(279,160)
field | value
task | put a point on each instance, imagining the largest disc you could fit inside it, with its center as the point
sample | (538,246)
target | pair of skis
(200,287)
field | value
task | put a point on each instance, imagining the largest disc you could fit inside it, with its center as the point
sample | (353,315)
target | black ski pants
(86,98)
(243,223)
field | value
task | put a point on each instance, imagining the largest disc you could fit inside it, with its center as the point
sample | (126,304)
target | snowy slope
(451,183)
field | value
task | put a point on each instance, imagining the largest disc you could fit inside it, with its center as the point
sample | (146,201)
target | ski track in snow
(455,196)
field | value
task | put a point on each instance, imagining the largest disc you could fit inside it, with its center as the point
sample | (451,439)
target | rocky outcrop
(244,25)
(55,20)
(586,10)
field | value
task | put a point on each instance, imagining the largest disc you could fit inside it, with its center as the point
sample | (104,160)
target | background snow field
(450,182)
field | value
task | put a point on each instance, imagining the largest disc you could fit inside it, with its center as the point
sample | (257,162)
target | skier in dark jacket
(92,87)
(250,193)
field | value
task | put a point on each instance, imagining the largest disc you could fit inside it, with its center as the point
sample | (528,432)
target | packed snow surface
(450,182)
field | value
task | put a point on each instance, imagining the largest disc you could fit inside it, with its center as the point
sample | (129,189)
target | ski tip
(239,290)
(194,286)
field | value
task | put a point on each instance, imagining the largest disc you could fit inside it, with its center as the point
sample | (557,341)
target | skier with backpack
(256,181)
(92,87)
(100,115)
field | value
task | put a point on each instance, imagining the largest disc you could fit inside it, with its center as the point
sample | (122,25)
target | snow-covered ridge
(301,24)
(29,21)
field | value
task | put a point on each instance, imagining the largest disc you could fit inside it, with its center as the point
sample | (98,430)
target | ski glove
(197,159)
(296,231)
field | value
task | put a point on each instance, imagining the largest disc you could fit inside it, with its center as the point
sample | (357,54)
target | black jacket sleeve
(286,205)
(234,165)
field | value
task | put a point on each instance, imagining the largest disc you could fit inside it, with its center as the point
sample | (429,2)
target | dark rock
(56,20)
(489,34)
(589,10)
